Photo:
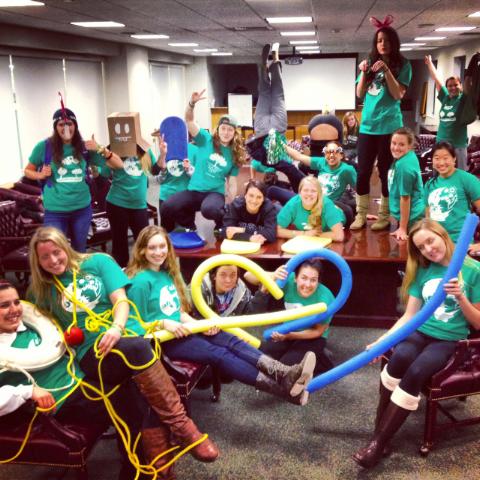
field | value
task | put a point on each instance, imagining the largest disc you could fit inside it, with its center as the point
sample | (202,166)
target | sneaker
(299,375)
(265,54)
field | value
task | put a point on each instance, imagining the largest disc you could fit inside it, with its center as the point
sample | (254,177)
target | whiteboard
(240,106)
(320,83)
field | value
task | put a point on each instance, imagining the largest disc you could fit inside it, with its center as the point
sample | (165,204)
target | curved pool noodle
(337,304)
(416,321)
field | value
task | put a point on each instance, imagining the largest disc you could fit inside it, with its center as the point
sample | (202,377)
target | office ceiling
(239,26)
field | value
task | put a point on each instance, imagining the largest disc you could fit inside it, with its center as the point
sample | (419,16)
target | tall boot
(362,210)
(156,386)
(383,221)
(399,408)
(293,379)
(154,442)
(267,384)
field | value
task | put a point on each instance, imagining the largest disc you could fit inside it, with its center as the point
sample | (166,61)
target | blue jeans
(225,351)
(74,224)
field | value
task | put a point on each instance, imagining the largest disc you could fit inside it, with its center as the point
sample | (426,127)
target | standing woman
(310,213)
(382,83)
(60,163)
(405,184)
(426,351)
(452,193)
(218,158)
(450,128)
(60,275)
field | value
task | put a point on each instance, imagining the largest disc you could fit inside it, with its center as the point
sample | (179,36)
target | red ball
(74,336)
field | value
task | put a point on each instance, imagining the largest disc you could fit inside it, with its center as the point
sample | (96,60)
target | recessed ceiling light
(289,19)
(427,48)
(205,50)
(298,34)
(302,42)
(308,52)
(405,49)
(430,38)
(20,3)
(108,24)
(454,29)
(222,54)
(180,44)
(306,47)
(475,14)
(148,36)
(412,44)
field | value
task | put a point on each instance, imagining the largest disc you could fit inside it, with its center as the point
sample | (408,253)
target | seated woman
(252,217)
(303,288)
(82,290)
(351,127)
(452,193)
(426,351)
(160,294)
(310,213)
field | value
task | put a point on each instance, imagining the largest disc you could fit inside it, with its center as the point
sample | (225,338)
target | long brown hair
(350,130)
(138,262)
(415,258)
(315,217)
(236,145)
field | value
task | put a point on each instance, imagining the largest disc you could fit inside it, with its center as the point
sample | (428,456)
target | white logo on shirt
(217,162)
(132,167)
(175,168)
(169,301)
(75,175)
(330,183)
(89,290)
(441,202)
(447,309)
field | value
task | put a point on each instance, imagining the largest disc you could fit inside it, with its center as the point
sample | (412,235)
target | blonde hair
(415,258)
(315,217)
(236,145)
(138,262)
(407,132)
(42,281)
(348,130)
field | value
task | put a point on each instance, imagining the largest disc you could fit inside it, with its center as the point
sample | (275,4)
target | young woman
(426,351)
(252,217)
(59,276)
(405,184)
(383,80)
(159,292)
(303,288)
(60,163)
(334,175)
(218,158)
(351,129)
(450,195)
(450,129)
(310,213)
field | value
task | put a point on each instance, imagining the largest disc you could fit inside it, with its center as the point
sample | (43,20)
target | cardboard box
(125,134)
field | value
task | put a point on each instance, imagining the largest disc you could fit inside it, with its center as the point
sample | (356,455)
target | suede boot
(362,210)
(293,379)
(383,221)
(156,441)
(267,384)
(156,386)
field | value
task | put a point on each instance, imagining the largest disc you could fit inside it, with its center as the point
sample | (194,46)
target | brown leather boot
(156,441)
(156,386)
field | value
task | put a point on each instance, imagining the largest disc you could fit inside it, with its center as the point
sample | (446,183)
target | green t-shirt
(405,180)
(448,321)
(449,199)
(211,168)
(129,184)
(292,299)
(176,178)
(334,181)
(68,190)
(155,296)
(449,128)
(293,213)
(99,276)
(381,113)
(54,378)
(260,167)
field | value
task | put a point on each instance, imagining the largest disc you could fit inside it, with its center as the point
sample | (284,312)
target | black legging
(417,359)
(371,147)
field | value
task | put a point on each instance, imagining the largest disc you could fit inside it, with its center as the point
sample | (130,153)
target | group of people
(93,293)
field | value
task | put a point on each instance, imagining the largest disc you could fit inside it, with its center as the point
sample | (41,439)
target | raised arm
(296,155)
(192,126)
(433,72)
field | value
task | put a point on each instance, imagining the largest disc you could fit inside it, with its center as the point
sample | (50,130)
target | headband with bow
(387,21)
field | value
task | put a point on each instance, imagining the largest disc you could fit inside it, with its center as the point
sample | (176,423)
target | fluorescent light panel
(454,29)
(405,49)
(429,38)
(148,36)
(412,44)
(302,42)
(222,54)
(273,20)
(308,33)
(306,52)
(108,24)
(20,3)
(306,47)
(205,50)
(180,44)
(475,14)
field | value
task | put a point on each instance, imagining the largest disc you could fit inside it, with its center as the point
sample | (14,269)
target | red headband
(387,21)
(62,105)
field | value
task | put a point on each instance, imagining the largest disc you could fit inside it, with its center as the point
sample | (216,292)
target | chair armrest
(73,440)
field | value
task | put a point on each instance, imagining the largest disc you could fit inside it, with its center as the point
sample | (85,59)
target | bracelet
(108,157)
(101,149)
(192,105)
(119,328)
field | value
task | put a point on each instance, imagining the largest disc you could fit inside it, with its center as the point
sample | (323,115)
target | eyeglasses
(5,305)
(332,152)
